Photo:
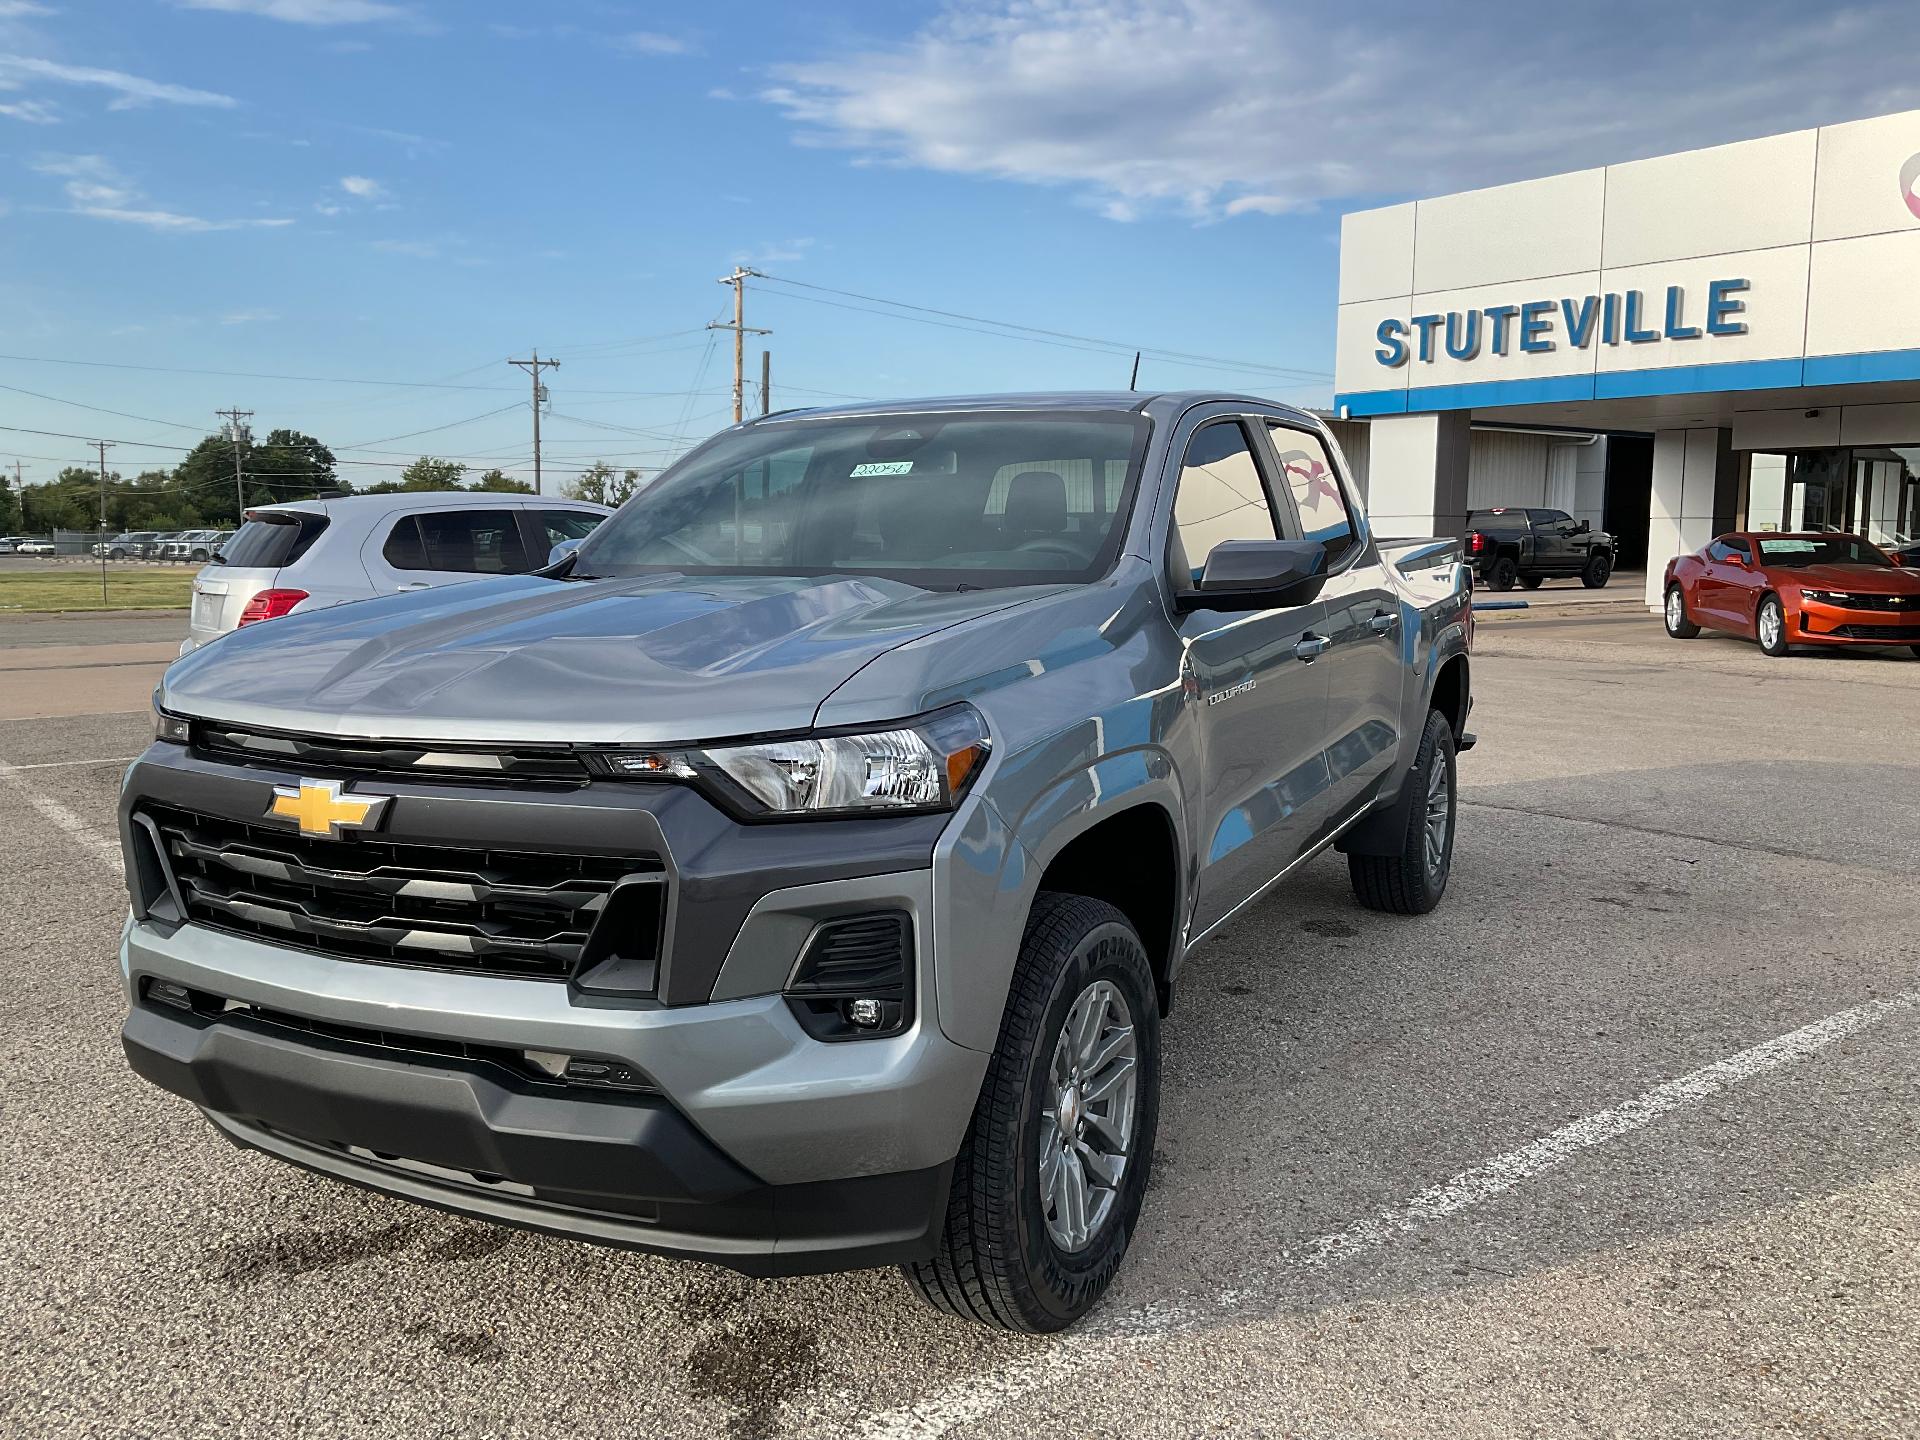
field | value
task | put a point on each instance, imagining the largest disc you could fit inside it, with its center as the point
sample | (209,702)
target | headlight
(174,729)
(924,765)
(1827,597)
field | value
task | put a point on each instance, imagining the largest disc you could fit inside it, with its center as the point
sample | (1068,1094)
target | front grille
(509,912)
(1905,634)
(324,754)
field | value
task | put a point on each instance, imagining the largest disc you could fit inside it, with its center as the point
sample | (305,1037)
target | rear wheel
(1412,881)
(1054,1166)
(1505,571)
(1678,625)
(1770,625)
(1599,570)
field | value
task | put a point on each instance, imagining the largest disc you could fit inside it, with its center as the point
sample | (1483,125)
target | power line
(431,429)
(1055,335)
(102,410)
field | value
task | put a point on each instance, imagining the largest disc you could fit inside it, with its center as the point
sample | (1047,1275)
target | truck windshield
(944,501)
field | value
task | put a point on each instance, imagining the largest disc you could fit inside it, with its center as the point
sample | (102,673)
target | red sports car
(1785,590)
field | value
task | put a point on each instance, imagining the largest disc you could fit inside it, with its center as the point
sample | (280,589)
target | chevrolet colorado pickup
(796,875)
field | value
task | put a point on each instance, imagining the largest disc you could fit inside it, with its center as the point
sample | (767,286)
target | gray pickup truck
(796,875)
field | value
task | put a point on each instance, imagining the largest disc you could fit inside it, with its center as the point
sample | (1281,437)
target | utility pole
(740,328)
(533,367)
(102,446)
(239,434)
(766,382)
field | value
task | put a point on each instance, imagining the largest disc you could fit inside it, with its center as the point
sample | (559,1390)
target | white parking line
(64,764)
(979,1396)
(77,830)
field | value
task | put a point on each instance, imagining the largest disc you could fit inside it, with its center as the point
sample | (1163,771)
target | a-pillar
(1696,489)
(1417,473)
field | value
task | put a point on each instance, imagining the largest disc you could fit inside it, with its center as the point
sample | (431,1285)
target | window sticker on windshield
(882,467)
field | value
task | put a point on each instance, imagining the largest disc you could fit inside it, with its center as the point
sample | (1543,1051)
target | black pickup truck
(1508,544)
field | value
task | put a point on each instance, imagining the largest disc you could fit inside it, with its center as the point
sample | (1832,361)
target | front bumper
(619,1170)
(1818,623)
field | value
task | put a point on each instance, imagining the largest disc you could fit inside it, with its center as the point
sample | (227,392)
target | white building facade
(1753,308)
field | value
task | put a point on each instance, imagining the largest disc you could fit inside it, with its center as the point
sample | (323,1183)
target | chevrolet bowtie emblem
(318,808)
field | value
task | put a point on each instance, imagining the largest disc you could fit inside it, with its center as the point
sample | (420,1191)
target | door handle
(414,585)
(1310,646)
(1383,623)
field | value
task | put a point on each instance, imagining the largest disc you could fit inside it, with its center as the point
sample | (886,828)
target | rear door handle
(1310,646)
(1383,623)
(415,585)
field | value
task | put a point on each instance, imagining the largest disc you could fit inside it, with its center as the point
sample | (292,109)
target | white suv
(308,554)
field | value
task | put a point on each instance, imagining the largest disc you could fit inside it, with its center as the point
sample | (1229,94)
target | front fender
(987,871)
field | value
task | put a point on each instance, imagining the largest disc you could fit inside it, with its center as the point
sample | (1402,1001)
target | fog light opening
(865,1013)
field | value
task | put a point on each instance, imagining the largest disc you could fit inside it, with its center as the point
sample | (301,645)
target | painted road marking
(64,764)
(977,1397)
(77,830)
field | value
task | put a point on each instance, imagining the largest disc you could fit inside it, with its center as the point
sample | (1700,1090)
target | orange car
(1785,590)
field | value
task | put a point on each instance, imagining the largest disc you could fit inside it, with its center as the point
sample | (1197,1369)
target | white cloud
(650,42)
(778,253)
(412,249)
(20,9)
(308,12)
(1213,107)
(96,189)
(32,112)
(248,317)
(362,188)
(129,90)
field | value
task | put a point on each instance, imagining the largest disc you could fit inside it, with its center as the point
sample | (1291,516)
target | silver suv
(797,877)
(308,554)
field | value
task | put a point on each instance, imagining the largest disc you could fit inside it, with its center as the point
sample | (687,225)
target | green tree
(429,473)
(603,485)
(286,465)
(501,481)
(69,501)
(9,509)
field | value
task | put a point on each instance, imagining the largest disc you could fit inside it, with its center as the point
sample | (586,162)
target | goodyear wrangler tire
(1055,1163)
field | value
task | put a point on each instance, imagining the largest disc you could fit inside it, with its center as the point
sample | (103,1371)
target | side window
(1315,488)
(1740,547)
(1719,550)
(568,524)
(466,542)
(1220,497)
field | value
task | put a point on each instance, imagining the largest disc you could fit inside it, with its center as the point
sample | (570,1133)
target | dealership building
(1667,348)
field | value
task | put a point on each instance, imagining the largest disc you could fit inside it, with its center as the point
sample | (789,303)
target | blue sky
(413,190)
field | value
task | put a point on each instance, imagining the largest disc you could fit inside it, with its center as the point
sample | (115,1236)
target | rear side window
(1220,497)
(1498,522)
(569,524)
(1315,489)
(463,542)
(268,544)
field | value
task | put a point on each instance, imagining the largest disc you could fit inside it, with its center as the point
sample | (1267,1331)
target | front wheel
(1599,570)
(1054,1166)
(1412,881)
(1770,626)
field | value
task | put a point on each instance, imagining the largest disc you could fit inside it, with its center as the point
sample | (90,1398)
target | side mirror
(1734,557)
(562,551)
(1259,575)
(1583,528)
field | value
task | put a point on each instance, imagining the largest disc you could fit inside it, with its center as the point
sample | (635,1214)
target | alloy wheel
(1087,1127)
(1676,609)
(1770,625)
(1439,816)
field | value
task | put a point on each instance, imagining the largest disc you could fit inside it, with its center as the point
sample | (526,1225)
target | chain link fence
(120,548)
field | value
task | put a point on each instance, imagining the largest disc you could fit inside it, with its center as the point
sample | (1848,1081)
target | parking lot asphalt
(1625,1138)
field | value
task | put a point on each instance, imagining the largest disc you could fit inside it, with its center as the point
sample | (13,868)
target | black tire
(1408,883)
(200,557)
(1599,570)
(1778,645)
(997,1262)
(1505,571)
(1532,582)
(1916,651)
(1679,626)
(116,554)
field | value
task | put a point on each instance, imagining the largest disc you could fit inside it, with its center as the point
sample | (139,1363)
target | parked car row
(25,545)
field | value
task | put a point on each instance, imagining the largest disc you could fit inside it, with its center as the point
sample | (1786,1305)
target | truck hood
(638,661)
